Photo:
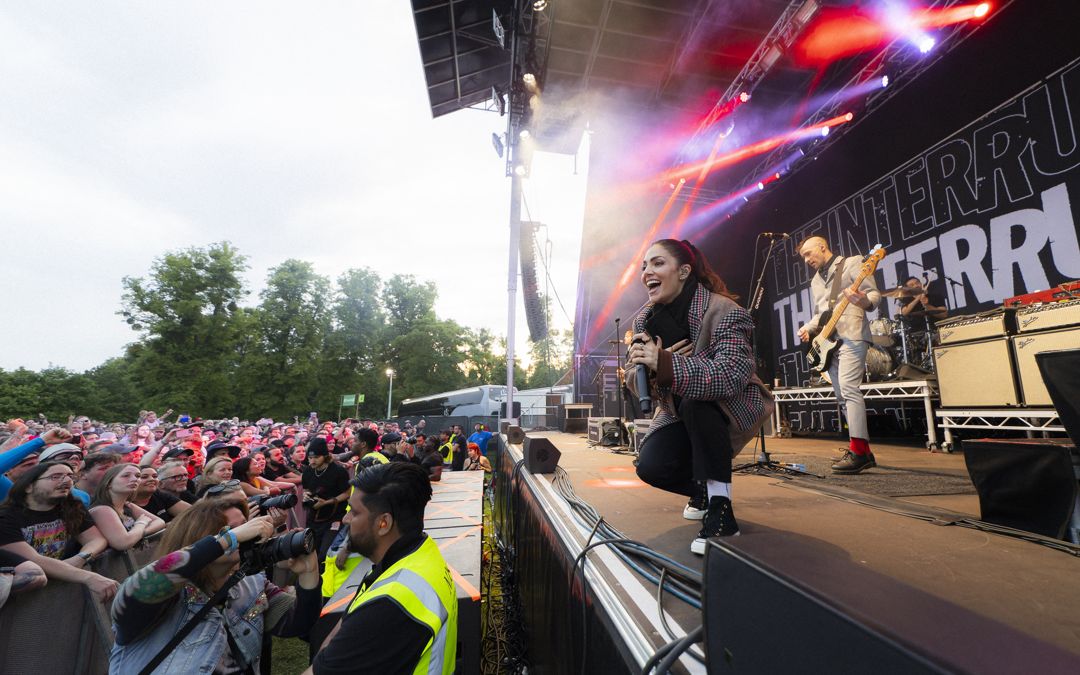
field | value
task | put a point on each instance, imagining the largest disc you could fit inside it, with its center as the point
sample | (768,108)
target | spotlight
(884,81)
(925,44)
(776,176)
(761,186)
(744,97)
(681,181)
(850,116)
(523,134)
(519,169)
(539,5)
(529,79)
(824,131)
(982,10)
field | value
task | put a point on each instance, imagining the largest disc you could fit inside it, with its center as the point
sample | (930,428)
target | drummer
(919,301)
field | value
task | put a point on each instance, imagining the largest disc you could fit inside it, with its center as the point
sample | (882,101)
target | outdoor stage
(880,546)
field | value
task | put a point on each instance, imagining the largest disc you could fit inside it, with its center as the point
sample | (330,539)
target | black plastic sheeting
(557,636)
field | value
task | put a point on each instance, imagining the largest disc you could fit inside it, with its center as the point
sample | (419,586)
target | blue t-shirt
(481,438)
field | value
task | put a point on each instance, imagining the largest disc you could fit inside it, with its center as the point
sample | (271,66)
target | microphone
(776,235)
(642,382)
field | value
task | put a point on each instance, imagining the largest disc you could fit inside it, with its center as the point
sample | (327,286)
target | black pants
(323,536)
(696,448)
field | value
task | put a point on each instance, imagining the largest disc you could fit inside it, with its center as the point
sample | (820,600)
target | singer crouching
(709,401)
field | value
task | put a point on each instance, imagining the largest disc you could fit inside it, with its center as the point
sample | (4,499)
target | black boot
(719,522)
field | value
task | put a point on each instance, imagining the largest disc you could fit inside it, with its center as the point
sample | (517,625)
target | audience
(122,523)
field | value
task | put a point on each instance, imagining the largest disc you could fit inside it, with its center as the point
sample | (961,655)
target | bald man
(853,331)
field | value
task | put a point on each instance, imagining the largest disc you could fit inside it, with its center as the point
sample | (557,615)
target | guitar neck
(842,305)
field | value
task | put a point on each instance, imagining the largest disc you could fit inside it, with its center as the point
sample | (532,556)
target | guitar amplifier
(1025,347)
(976,374)
(979,327)
(1049,315)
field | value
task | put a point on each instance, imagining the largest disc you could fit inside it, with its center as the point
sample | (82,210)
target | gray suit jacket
(853,324)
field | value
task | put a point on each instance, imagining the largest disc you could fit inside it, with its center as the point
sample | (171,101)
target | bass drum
(880,364)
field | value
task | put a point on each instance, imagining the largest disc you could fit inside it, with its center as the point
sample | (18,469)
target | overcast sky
(290,129)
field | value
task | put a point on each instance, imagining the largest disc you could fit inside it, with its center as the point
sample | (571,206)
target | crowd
(316,497)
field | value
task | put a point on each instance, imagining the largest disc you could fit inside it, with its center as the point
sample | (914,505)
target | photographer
(326,489)
(200,554)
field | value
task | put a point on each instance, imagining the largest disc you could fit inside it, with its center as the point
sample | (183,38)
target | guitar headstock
(870,262)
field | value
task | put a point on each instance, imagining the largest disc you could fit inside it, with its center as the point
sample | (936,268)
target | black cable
(681,646)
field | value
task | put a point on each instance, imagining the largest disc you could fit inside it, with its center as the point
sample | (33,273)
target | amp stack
(988,360)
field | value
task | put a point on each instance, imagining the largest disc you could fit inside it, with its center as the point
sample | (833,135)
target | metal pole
(390,397)
(511,286)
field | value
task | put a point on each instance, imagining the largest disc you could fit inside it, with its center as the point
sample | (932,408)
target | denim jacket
(203,648)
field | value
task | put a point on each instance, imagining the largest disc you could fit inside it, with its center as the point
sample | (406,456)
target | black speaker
(517,410)
(541,455)
(515,435)
(1024,483)
(759,621)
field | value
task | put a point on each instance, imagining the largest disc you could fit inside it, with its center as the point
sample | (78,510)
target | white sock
(717,489)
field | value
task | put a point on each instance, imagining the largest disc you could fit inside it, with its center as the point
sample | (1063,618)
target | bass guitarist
(834,276)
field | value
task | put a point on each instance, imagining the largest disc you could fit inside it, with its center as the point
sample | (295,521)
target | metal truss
(1006,419)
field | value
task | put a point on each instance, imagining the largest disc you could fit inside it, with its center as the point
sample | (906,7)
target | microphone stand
(764,463)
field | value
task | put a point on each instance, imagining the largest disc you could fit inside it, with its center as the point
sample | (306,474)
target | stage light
(529,79)
(519,169)
(982,10)
(824,131)
(681,181)
(523,134)
(848,117)
(744,97)
(884,81)
(776,176)
(539,5)
(671,185)
(925,44)
(761,186)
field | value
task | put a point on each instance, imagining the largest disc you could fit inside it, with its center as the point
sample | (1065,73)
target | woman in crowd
(297,457)
(476,461)
(122,523)
(199,555)
(217,470)
(250,472)
(147,495)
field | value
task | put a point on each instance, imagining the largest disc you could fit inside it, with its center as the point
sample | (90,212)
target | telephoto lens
(264,503)
(257,557)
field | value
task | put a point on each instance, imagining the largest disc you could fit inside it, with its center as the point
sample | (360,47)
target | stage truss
(926,390)
(1028,420)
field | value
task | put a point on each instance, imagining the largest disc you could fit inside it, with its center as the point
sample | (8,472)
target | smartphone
(183,433)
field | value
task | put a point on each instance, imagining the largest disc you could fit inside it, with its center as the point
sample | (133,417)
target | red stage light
(744,97)
(982,10)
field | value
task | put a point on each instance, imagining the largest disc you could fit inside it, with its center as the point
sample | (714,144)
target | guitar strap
(834,294)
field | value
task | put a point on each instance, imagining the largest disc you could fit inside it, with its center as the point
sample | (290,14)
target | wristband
(230,537)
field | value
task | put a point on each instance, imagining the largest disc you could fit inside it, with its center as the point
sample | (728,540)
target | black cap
(317,447)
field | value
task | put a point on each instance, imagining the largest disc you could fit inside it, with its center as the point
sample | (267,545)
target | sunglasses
(227,486)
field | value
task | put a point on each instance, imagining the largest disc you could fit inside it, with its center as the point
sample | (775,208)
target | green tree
(185,313)
(280,372)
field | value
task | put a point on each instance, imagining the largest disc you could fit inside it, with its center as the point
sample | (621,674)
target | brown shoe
(852,463)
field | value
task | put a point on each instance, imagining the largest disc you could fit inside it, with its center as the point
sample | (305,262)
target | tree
(280,371)
(552,358)
(185,313)
(408,302)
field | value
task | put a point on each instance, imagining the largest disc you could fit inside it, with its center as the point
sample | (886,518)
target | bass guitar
(820,351)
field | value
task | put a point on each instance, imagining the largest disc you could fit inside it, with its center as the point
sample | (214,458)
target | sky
(292,130)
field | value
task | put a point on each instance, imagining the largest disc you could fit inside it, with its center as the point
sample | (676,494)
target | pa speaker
(515,435)
(517,410)
(541,455)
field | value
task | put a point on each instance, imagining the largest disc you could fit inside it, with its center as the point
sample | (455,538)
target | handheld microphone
(641,379)
(776,235)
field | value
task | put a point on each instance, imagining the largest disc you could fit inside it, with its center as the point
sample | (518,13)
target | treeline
(309,340)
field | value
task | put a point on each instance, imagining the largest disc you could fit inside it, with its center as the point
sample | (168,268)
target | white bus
(482,401)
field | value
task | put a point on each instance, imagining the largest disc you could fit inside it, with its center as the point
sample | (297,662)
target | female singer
(694,341)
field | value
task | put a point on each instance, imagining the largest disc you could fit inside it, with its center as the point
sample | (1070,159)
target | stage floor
(1025,586)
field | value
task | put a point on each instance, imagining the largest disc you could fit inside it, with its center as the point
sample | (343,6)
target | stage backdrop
(987,213)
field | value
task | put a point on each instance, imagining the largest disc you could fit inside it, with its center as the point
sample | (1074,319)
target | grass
(290,656)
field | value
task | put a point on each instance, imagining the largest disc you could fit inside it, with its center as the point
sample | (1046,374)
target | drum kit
(908,340)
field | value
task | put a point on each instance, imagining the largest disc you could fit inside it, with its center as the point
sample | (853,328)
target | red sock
(860,446)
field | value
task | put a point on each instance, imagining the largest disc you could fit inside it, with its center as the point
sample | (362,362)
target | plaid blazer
(720,372)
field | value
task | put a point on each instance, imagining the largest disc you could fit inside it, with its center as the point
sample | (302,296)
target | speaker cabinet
(515,435)
(576,418)
(1025,347)
(976,374)
(1024,483)
(541,455)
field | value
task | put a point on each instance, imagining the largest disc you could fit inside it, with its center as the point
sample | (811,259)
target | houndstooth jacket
(723,371)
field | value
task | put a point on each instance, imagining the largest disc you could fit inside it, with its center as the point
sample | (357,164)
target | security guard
(409,593)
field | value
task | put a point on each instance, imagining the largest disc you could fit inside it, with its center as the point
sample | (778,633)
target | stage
(882,545)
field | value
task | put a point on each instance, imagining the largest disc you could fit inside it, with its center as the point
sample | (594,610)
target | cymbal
(901,292)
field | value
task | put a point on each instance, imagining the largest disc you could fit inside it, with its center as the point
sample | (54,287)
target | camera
(265,503)
(411,440)
(256,557)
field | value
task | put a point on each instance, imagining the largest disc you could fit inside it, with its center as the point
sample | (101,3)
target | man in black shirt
(173,478)
(326,489)
(922,302)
